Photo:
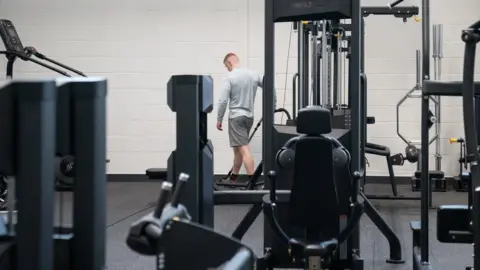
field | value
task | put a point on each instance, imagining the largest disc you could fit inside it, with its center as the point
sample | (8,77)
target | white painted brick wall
(139,44)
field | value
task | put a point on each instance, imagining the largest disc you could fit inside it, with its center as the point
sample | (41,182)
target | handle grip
(180,185)
(273,189)
(152,231)
(456,140)
(162,199)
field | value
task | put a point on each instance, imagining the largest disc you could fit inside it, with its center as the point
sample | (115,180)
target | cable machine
(328,85)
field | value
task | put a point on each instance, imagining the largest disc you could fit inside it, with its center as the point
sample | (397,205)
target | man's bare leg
(237,163)
(247,159)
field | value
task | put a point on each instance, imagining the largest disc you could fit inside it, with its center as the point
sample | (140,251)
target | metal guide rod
(306,67)
(301,71)
(320,70)
(329,75)
(437,56)
(418,86)
(11,197)
(440,50)
(339,56)
(418,57)
(434,51)
(324,87)
(315,74)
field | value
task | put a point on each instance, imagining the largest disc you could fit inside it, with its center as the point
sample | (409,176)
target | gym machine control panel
(10,37)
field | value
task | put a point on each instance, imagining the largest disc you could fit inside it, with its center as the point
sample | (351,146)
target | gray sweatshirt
(240,88)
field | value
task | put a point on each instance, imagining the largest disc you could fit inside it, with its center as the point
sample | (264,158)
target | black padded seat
(156,173)
(313,206)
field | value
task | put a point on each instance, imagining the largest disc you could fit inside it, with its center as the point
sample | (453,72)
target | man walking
(239,91)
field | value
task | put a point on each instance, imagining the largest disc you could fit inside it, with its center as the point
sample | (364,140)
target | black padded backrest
(313,200)
(314,120)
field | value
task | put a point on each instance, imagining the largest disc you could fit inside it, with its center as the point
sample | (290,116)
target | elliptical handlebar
(27,58)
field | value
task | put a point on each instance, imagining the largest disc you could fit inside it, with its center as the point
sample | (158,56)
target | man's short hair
(228,56)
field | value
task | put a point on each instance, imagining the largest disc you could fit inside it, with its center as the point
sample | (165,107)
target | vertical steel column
(35,175)
(306,67)
(356,106)
(418,70)
(363,102)
(90,186)
(437,56)
(301,72)
(324,88)
(329,72)
(314,64)
(425,184)
(338,72)
(268,88)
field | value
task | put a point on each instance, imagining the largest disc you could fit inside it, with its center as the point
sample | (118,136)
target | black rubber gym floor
(129,201)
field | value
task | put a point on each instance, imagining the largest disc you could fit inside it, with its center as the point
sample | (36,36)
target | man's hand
(219,126)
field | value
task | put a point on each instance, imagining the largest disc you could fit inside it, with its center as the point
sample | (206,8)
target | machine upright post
(438,55)
(306,67)
(90,185)
(315,72)
(193,155)
(338,60)
(34,168)
(418,57)
(269,87)
(324,88)
(425,182)
(301,72)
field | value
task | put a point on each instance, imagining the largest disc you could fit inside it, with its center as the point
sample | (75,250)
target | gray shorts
(239,130)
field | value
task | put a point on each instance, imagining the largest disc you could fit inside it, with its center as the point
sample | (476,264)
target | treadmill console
(10,37)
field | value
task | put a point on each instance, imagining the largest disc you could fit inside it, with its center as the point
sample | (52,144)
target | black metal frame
(471,37)
(34,171)
(469,90)
(269,86)
(357,101)
(28,149)
(90,185)
(193,154)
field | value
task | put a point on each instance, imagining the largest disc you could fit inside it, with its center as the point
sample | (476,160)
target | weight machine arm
(399,12)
